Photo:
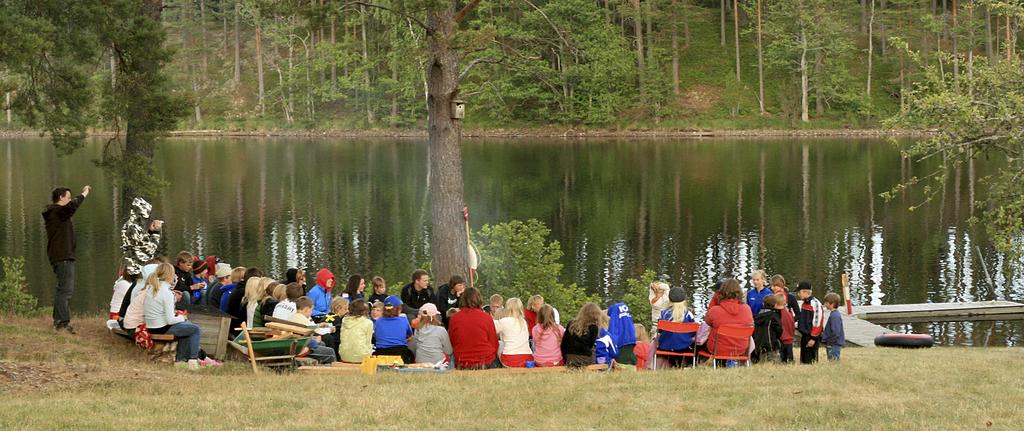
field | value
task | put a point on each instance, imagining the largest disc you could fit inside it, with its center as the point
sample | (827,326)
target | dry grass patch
(941,388)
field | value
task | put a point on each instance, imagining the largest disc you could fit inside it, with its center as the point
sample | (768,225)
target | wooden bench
(162,343)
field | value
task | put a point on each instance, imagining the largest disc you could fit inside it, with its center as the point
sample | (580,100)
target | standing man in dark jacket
(60,248)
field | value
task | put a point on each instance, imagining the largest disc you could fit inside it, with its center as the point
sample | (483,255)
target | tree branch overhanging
(469,67)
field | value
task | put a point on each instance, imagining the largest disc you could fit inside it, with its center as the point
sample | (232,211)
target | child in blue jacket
(833,336)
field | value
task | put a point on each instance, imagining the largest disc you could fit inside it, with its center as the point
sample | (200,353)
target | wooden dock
(862,327)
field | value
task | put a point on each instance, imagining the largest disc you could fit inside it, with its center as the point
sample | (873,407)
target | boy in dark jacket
(767,332)
(810,322)
(833,336)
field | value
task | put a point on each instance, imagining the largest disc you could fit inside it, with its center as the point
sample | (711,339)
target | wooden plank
(222,338)
(294,329)
(927,319)
(860,332)
(938,310)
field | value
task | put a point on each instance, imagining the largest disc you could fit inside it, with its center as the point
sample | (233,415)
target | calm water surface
(691,210)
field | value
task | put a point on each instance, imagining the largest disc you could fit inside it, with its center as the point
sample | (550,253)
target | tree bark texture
(448,241)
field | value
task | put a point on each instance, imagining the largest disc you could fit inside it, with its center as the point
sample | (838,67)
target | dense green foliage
(517,260)
(339,64)
(50,52)
(975,114)
(636,296)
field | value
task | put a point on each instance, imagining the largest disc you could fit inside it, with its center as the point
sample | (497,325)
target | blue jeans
(187,334)
(65,271)
(833,352)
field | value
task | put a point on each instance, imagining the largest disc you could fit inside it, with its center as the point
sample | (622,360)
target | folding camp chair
(731,331)
(676,328)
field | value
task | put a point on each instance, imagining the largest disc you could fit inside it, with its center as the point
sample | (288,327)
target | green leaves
(517,260)
(13,297)
(975,114)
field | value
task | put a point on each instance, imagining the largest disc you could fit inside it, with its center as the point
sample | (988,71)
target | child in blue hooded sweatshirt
(622,332)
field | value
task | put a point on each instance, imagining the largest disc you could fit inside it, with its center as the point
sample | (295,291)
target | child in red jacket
(788,328)
(642,347)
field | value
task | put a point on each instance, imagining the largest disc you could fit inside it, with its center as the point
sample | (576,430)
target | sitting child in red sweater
(642,347)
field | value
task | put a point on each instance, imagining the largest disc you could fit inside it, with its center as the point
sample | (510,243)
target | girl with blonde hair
(514,333)
(161,318)
(679,311)
(255,292)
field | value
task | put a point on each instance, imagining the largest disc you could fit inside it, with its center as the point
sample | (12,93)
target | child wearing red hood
(321,293)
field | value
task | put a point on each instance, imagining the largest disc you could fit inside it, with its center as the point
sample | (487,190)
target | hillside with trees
(318,64)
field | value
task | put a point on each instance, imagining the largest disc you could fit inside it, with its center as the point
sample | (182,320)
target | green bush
(13,297)
(517,260)
(636,297)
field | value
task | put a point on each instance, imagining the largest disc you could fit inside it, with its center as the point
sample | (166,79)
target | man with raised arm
(60,248)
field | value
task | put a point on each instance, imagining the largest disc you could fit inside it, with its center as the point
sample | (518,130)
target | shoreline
(546,132)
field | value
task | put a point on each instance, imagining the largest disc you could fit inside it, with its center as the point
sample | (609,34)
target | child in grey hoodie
(430,342)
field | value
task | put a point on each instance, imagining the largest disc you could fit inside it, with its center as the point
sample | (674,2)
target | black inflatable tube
(907,341)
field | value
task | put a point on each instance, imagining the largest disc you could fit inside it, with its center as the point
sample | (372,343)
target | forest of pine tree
(262,64)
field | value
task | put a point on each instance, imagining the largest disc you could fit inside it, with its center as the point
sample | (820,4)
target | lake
(691,210)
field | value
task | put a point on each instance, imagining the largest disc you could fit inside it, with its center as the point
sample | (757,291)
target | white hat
(223,270)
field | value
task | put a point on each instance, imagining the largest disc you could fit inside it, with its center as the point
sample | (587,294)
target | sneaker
(209,362)
(69,328)
(193,364)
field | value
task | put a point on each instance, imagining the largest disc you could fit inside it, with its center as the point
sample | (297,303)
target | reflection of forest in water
(692,211)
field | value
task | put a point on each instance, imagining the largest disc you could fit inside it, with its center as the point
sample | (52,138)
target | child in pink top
(547,338)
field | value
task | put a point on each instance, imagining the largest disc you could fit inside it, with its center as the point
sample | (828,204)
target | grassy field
(94,381)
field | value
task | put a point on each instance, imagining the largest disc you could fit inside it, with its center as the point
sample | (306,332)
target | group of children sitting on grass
(453,325)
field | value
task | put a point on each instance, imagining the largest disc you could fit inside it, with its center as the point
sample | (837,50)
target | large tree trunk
(760,62)
(955,39)
(871,49)
(334,61)
(448,241)
(638,34)
(989,52)
(686,24)
(882,30)
(863,15)
(1009,40)
(187,40)
(721,23)
(238,39)
(736,34)
(803,77)
(394,93)
(649,22)
(819,94)
(225,33)
(259,63)
(366,61)
(675,48)
(202,43)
